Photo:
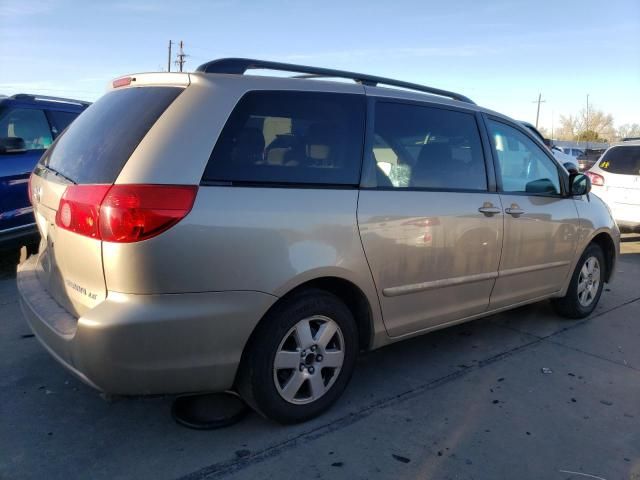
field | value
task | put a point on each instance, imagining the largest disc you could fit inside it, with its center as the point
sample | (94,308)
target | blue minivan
(28,126)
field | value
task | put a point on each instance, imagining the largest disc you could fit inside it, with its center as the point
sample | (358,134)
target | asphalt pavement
(520,395)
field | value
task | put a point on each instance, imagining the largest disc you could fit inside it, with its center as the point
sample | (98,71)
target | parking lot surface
(468,402)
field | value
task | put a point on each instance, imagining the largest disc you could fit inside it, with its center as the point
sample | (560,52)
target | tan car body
(174,313)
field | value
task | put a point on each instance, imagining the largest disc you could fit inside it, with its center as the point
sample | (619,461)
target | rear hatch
(83,162)
(622,180)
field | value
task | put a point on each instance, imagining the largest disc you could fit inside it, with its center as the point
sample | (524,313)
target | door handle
(489,211)
(514,211)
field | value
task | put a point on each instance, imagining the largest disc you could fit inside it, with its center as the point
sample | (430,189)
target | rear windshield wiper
(56,173)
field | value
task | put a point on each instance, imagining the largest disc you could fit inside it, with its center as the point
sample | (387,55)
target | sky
(502,54)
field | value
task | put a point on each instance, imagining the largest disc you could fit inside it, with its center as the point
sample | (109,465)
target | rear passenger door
(430,223)
(540,223)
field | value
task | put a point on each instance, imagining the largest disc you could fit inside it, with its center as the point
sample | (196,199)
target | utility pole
(553,113)
(586,127)
(181,57)
(169,59)
(539,101)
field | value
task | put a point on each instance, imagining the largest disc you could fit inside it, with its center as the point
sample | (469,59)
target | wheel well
(353,298)
(608,248)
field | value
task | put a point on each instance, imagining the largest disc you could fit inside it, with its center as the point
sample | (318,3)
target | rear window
(622,160)
(291,138)
(97,145)
(61,120)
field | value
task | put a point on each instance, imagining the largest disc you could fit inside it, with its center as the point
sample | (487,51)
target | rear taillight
(130,213)
(595,178)
(79,209)
(123,213)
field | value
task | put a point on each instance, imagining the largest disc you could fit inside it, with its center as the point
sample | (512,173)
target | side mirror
(571,167)
(12,145)
(579,184)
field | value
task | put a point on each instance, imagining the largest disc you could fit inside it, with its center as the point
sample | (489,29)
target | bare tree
(629,130)
(595,125)
(567,129)
(592,126)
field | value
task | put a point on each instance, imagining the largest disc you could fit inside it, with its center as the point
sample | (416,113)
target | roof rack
(28,96)
(239,66)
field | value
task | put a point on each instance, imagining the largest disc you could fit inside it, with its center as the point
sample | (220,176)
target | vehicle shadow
(9,260)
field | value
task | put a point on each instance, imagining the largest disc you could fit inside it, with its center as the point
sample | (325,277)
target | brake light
(79,209)
(595,178)
(123,213)
(121,82)
(131,213)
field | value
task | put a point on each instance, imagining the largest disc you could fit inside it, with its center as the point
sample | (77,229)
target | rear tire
(300,358)
(586,285)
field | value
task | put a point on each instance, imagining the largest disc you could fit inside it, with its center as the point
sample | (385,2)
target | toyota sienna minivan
(215,230)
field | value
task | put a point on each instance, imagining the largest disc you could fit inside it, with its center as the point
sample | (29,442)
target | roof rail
(239,66)
(28,96)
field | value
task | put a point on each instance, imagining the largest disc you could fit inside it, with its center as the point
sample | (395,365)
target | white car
(563,157)
(573,152)
(615,178)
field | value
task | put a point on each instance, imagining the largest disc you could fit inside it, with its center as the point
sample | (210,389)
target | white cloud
(21,8)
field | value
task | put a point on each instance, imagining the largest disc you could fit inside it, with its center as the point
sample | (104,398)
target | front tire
(586,285)
(300,358)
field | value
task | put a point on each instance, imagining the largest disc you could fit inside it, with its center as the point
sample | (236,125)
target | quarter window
(425,147)
(291,138)
(29,124)
(523,166)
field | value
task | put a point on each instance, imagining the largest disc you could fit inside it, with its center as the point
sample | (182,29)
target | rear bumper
(146,344)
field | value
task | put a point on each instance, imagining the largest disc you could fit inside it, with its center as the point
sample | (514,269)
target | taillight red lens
(131,213)
(124,213)
(595,178)
(79,209)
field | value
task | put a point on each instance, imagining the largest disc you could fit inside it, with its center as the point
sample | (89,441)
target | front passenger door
(540,223)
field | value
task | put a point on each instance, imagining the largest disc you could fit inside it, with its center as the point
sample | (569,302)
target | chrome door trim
(532,268)
(446,282)
(479,277)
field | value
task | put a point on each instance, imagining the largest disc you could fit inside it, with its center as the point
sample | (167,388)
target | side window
(425,147)
(29,124)
(523,166)
(61,120)
(291,137)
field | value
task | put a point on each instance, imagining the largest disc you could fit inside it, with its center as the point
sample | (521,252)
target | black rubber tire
(255,382)
(569,306)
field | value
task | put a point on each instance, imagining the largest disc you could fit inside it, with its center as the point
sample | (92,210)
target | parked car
(214,230)
(28,126)
(589,158)
(616,179)
(574,152)
(567,161)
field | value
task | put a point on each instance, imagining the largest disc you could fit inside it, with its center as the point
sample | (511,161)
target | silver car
(214,230)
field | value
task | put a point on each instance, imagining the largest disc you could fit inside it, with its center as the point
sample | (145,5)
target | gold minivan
(215,230)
